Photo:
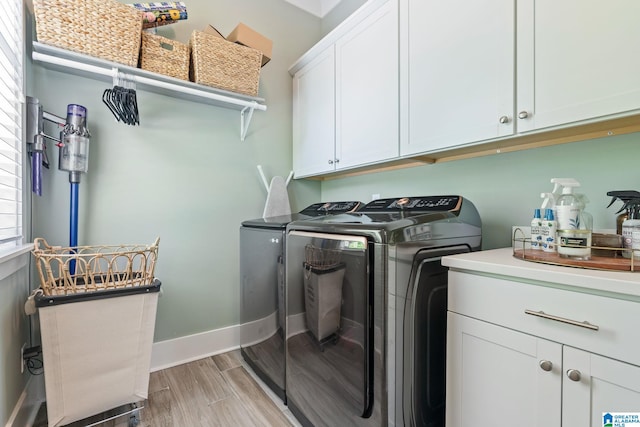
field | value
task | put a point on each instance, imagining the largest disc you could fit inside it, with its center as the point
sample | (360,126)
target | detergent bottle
(574,224)
(536,237)
(548,231)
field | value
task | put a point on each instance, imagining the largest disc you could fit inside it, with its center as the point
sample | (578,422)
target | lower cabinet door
(595,387)
(497,376)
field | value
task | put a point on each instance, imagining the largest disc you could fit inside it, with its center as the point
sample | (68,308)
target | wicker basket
(219,63)
(164,56)
(65,270)
(104,29)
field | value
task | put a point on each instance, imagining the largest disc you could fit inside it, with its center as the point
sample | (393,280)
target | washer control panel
(414,204)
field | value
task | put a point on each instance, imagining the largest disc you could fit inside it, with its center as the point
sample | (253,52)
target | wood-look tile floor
(218,391)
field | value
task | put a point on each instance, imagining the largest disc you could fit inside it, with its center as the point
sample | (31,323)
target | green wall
(183,175)
(506,187)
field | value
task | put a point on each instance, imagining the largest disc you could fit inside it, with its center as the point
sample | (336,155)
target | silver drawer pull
(544,315)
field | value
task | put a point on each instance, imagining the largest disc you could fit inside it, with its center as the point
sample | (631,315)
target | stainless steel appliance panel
(262,304)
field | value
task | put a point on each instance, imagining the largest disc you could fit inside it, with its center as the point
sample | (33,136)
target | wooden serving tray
(617,263)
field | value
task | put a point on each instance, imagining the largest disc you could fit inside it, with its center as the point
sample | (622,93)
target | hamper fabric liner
(96,350)
(164,56)
(225,65)
(104,29)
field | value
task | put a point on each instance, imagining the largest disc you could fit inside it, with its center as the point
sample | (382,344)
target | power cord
(32,360)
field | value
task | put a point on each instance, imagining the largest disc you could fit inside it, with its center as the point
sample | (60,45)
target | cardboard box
(210,29)
(246,36)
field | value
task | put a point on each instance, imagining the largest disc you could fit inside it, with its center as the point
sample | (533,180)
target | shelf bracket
(244,122)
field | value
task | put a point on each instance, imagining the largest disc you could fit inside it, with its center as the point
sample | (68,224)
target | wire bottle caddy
(604,256)
(71,270)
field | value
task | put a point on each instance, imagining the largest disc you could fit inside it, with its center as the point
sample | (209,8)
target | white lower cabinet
(512,358)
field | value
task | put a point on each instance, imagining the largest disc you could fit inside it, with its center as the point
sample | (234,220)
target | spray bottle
(574,225)
(631,229)
(625,196)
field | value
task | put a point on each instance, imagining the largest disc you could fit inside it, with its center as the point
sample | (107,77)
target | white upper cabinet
(367,90)
(427,79)
(313,116)
(577,60)
(345,94)
(457,72)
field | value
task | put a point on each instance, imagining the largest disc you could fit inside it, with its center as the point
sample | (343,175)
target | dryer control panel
(324,208)
(414,204)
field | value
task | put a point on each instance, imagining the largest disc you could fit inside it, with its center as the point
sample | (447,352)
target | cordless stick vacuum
(73,156)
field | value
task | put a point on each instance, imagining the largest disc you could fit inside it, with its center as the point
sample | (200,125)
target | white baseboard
(169,353)
(26,409)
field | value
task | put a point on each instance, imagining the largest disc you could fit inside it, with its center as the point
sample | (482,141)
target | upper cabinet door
(367,90)
(577,60)
(313,116)
(457,72)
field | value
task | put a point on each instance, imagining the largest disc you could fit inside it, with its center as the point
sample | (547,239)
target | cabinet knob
(523,115)
(330,162)
(573,374)
(337,160)
(546,365)
(504,119)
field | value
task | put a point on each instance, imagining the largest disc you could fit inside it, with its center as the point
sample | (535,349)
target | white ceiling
(318,8)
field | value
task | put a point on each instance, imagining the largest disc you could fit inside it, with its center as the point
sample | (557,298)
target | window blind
(11,132)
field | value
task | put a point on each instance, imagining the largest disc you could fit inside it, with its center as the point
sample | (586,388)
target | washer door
(329,342)
(425,339)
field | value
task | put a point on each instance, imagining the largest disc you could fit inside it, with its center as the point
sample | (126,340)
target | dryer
(262,261)
(366,311)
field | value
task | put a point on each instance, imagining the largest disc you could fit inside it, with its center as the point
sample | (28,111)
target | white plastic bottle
(631,230)
(574,225)
(548,231)
(536,237)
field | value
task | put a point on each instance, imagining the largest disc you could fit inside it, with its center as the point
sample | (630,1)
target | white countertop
(502,262)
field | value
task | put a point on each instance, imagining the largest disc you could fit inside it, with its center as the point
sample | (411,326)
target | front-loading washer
(262,315)
(366,311)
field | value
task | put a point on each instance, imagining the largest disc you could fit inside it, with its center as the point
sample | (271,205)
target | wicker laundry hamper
(97,310)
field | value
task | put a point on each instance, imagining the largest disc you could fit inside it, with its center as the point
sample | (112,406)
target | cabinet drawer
(506,303)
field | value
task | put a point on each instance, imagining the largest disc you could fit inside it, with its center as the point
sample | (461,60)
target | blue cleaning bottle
(548,231)
(536,224)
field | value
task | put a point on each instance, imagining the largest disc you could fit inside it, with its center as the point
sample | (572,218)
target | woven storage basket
(104,29)
(67,271)
(164,56)
(219,63)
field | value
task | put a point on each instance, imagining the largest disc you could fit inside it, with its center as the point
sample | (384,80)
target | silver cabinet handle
(523,115)
(546,365)
(544,315)
(573,374)
(330,162)
(337,160)
(504,119)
